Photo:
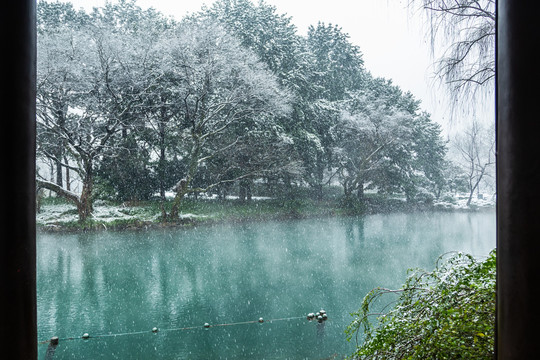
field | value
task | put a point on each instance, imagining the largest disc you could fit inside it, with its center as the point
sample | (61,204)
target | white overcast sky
(391,37)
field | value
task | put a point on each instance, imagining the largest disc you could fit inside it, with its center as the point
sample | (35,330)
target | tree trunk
(471,193)
(162,160)
(320,177)
(360,192)
(244,193)
(61,108)
(175,210)
(85,207)
(161,174)
(181,190)
(319,191)
(51,170)
(222,193)
(347,190)
(59,175)
(248,191)
(476,184)
(288,186)
(182,187)
(68,178)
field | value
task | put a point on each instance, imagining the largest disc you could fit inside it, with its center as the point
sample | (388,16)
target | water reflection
(126,282)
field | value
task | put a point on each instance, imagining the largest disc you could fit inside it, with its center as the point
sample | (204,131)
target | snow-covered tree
(56,90)
(467,28)
(262,152)
(136,103)
(270,35)
(383,143)
(90,80)
(223,90)
(275,41)
(61,86)
(139,162)
(368,135)
(315,141)
(335,70)
(338,65)
(475,148)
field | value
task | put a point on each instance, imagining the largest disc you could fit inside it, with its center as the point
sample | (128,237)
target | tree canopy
(137,104)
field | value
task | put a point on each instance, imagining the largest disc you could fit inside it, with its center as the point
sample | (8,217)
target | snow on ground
(64,213)
(234,197)
(171,195)
(56,213)
(459,202)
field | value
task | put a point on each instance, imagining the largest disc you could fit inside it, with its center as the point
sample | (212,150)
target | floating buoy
(311,316)
(206,325)
(261,320)
(322,312)
(320,318)
(85,336)
(324,317)
(54,340)
(155,330)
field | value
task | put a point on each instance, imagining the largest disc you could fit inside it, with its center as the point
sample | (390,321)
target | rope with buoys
(53,342)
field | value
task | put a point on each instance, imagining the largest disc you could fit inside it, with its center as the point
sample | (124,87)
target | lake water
(117,286)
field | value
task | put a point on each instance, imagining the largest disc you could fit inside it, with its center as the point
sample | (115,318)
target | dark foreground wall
(518,176)
(18,329)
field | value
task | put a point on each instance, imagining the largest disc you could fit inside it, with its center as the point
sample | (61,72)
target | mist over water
(110,283)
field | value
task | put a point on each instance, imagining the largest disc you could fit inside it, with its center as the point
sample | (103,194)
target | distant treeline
(133,103)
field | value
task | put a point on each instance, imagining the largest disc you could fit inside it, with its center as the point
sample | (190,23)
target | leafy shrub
(352,205)
(448,313)
(293,207)
(424,197)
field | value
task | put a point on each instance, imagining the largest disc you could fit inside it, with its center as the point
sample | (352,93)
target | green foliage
(448,313)
(338,65)
(351,205)
(125,174)
(270,35)
(54,200)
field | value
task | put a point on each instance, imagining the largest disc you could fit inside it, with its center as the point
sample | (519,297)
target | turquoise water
(117,286)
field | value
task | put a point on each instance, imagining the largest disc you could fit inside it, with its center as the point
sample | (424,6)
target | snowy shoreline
(63,217)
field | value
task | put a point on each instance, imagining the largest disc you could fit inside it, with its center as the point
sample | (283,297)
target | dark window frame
(518,179)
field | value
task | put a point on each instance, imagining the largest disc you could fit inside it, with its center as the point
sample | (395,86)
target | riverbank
(58,215)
